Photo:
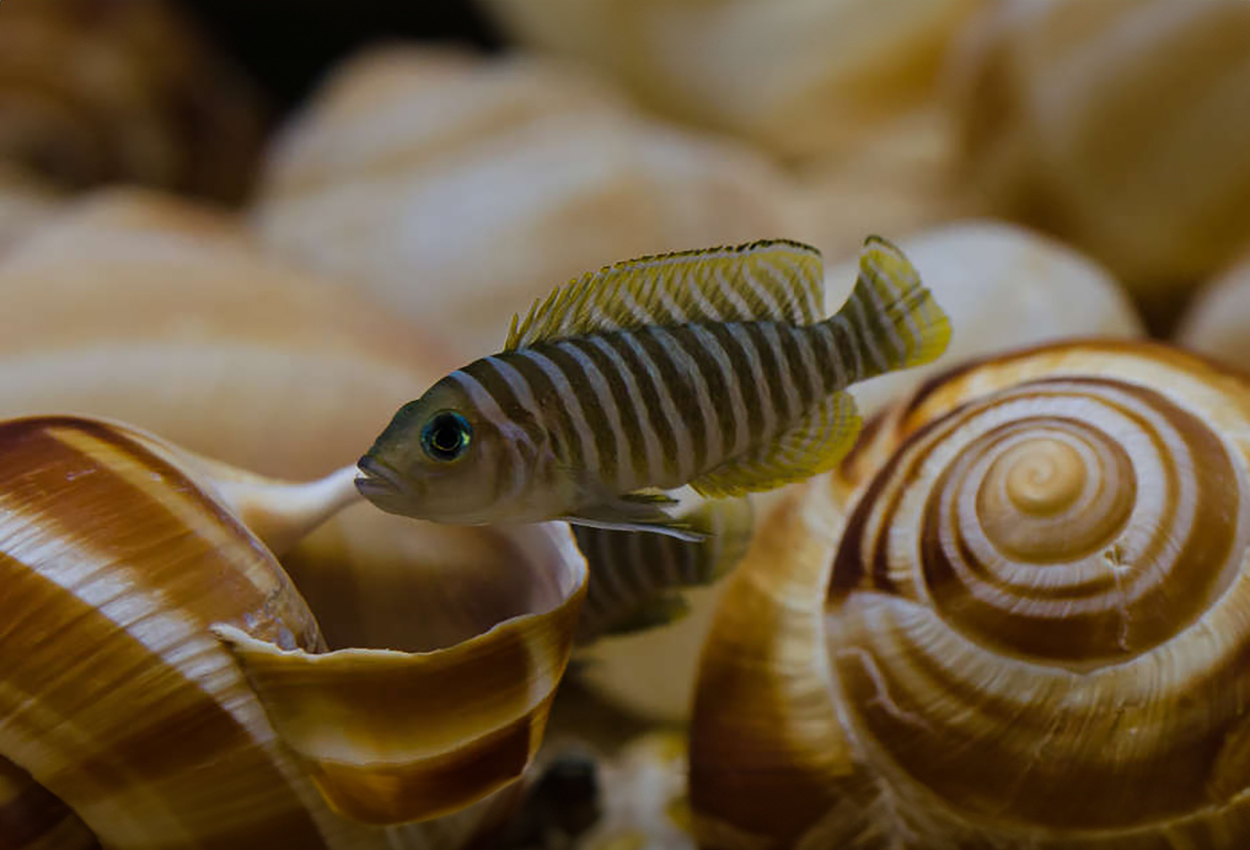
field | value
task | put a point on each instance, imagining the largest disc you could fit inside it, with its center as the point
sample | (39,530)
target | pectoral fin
(634,512)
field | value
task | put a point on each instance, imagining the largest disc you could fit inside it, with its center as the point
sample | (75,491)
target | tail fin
(892,319)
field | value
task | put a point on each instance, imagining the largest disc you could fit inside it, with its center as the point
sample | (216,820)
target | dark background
(286,45)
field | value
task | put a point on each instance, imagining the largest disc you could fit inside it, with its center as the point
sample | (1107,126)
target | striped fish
(634,577)
(711,368)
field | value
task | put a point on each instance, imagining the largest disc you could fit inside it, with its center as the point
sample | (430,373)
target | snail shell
(457,192)
(165,684)
(100,91)
(1014,618)
(1215,323)
(159,312)
(1119,126)
(26,202)
(797,77)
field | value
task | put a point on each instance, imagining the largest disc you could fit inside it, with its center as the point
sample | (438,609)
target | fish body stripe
(591,398)
(798,343)
(869,336)
(745,400)
(656,369)
(515,390)
(551,409)
(700,417)
(659,425)
(845,356)
(487,401)
(617,402)
(660,405)
(760,389)
(581,433)
(712,392)
(635,409)
(790,370)
(723,386)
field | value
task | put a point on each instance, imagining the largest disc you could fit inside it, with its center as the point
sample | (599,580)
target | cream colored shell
(138,306)
(798,77)
(1002,286)
(1014,619)
(26,202)
(1118,125)
(458,191)
(165,684)
(1217,321)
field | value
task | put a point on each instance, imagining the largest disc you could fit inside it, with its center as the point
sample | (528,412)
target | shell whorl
(165,683)
(1034,612)
(1033,630)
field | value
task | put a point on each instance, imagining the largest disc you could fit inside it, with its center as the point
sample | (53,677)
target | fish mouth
(378,480)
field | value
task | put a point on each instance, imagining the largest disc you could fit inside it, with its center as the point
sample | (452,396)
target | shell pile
(1010,619)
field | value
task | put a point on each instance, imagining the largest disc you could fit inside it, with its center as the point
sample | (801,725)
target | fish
(711,368)
(635,577)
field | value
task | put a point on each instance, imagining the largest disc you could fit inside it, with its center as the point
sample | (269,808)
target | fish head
(441,459)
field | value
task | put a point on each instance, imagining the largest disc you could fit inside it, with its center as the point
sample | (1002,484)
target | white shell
(1218,320)
(797,77)
(458,191)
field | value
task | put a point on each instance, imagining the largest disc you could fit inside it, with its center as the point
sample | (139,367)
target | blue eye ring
(446,436)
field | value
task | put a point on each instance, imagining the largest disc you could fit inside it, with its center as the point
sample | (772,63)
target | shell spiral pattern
(164,683)
(1033,631)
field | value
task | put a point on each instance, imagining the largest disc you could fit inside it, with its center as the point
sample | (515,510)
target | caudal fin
(891,319)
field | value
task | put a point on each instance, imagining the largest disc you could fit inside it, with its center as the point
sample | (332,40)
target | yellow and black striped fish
(636,578)
(712,368)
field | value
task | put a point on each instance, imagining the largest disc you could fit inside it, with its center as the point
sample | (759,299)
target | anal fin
(636,580)
(663,610)
(815,444)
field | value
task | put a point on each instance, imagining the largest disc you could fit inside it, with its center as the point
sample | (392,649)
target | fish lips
(380,484)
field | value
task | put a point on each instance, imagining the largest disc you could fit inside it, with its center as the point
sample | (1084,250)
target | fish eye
(446,436)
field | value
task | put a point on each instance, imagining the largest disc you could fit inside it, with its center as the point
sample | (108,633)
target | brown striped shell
(1015,618)
(124,91)
(164,684)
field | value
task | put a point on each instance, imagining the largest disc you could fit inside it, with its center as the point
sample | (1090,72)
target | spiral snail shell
(164,683)
(1013,618)
(124,91)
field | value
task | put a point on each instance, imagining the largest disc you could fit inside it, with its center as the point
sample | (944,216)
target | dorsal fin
(773,279)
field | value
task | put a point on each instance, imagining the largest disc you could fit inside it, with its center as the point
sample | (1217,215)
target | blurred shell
(897,182)
(1121,126)
(125,562)
(643,797)
(459,191)
(1002,287)
(26,202)
(154,311)
(798,77)
(1013,619)
(1218,321)
(97,91)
